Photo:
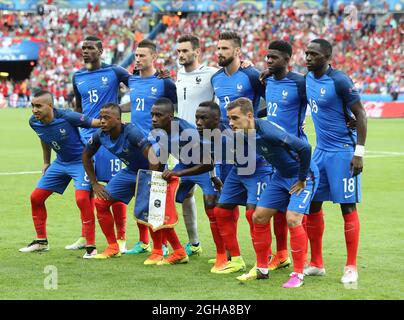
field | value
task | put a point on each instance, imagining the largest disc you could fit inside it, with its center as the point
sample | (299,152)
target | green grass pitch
(22,276)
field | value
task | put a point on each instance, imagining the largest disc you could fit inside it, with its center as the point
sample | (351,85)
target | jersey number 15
(93,96)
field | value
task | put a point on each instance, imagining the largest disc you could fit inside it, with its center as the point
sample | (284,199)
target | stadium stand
(371,53)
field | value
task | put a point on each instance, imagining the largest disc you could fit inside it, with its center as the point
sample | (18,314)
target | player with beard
(229,84)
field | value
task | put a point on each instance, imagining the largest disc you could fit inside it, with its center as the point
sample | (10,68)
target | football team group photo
(208,150)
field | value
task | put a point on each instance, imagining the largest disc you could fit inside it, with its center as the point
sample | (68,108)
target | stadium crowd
(375,71)
(61,32)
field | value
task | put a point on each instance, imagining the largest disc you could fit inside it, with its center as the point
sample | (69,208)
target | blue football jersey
(287,103)
(289,155)
(128,147)
(94,89)
(330,98)
(144,91)
(62,134)
(183,143)
(230,141)
(243,83)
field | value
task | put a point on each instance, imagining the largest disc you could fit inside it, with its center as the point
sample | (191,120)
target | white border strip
(18,173)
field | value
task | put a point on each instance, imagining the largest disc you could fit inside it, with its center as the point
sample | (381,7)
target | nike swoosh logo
(346,197)
(301,207)
(40,134)
(215,88)
(79,83)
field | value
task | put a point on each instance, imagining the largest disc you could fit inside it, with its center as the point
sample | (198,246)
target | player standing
(285,96)
(232,81)
(94,86)
(193,87)
(339,153)
(145,88)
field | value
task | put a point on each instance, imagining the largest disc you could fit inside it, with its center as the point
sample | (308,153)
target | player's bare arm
(98,188)
(46,151)
(95,123)
(361,126)
(125,107)
(77,103)
(195,170)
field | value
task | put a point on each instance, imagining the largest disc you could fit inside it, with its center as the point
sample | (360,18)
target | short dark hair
(230,35)
(39,93)
(95,39)
(113,106)
(325,46)
(211,105)
(190,38)
(146,43)
(281,46)
(166,102)
(245,105)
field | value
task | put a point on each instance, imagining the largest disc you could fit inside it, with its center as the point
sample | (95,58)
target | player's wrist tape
(212,173)
(359,151)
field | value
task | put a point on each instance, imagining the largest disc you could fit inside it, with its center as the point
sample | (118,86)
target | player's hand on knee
(100,191)
(298,187)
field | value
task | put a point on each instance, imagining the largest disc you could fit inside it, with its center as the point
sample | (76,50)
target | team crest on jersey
(239,87)
(284,94)
(322,92)
(104,80)
(198,80)
(125,150)
(62,131)
(153,90)
(265,149)
(90,141)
